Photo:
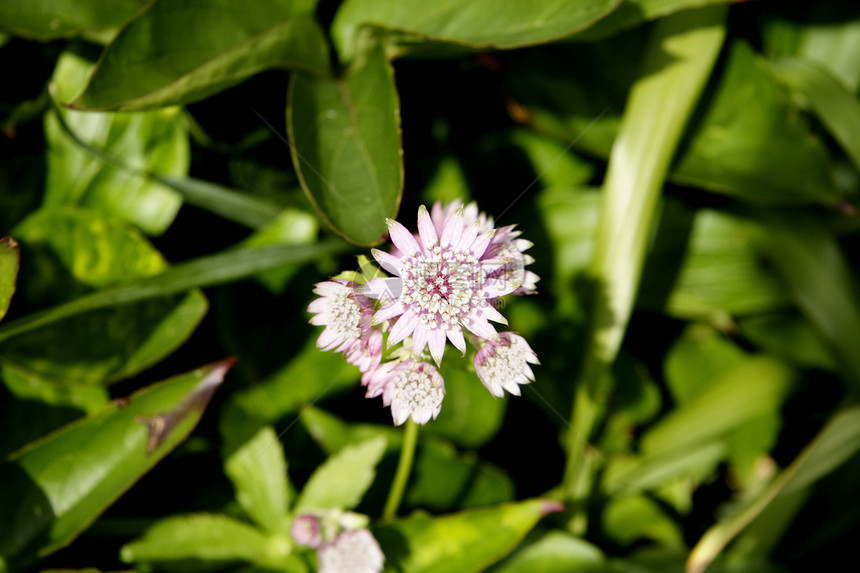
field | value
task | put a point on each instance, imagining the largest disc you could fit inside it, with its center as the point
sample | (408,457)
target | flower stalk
(404,468)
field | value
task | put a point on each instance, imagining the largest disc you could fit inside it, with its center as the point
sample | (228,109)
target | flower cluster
(448,280)
(342,540)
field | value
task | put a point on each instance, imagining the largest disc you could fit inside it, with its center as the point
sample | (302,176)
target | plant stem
(404,467)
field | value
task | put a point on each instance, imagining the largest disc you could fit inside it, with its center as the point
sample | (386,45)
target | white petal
(426,230)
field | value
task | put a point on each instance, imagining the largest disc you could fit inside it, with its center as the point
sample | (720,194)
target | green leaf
(471,416)
(56,487)
(464,542)
(790,337)
(552,551)
(52,19)
(835,106)
(182,51)
(258,471)
(553,163)
(749,390)
(154,142)
(629,518)
(477,25)
(700,356)
(810,259)
(9,256)
(342,480)
(207,541)
(630,474)
(838,441)
(345,143)
(206,271)
(633,12)
(71,252)
(748,142)
(278,394)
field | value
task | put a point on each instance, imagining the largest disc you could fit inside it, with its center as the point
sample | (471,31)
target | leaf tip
(550,506)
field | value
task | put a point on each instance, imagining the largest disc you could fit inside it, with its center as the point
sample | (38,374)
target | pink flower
(504,365)
(412,389)
(441,284)
(306,531)
(352,551)
(346,316)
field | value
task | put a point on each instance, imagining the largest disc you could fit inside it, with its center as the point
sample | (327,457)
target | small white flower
(344,313)
(504,365)
(412,389)
(353,551)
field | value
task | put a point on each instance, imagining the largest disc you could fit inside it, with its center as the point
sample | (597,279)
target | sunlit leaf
(629,518)
(345,143)
(52,19)
(54,488)
(458,543)
(9,255)
(155,142)
(633,12)
(790,337)
(552,552)
(475,25)
(182,51)
(342,480)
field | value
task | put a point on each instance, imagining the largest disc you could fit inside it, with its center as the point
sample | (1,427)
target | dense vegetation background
(176,175)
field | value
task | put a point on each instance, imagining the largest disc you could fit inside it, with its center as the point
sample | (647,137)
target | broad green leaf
(308,377)
(747,391)
(705,264)
(258,471)
(207,541)
(554,164)
(474,25)
(471,416)
(342,480)
(154,142)
(205,271)
(838,441)
(630,518)
(748,142)
(72,252)
(625,475)
(698,357)
(552,551)
(32,407)
(835,106)
(9,255)
(52,19)
(790,337)
(656,114)
(464,542)
(633,12)
(345,143)
(810,259)
(54,488)
(182,51)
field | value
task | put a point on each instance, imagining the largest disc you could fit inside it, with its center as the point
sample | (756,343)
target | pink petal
(419,339)
(479,246)
(491,313)
(437,214)
(436,342)
(389,263)
(426,231)
(479,326)
(453,230)
(402,238)
(381,288)
(470,233)
(403,328)
(455,335)
(317,305)
(388,311)
(327,339)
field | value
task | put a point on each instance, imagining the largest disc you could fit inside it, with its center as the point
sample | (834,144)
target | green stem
(676,65)
(404,467)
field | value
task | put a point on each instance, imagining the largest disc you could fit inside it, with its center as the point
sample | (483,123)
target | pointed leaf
(182,51)
(345,143)
(153,142)
(464,542)
(475,25)
(208,541)
(342,480)
(9,255)
(552,552)
(633,12)
(56,487)
(258,471)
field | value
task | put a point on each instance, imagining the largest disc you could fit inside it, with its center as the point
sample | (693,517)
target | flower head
(504,365)
(352,551)
(306,530)
(344,313)
(441,285)
(412,389)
